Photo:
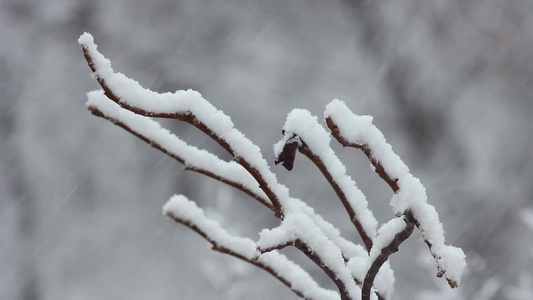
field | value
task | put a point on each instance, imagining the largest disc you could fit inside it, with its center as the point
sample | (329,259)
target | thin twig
(287,156)
(188,117)
(277,247)
(342,196)
(191,119)
(383,257)
(222,249)
(378,167)
(327,270)
(340,193)
(391,181)
(95,111)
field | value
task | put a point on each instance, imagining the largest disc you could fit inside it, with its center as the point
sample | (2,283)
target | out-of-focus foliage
(449,82)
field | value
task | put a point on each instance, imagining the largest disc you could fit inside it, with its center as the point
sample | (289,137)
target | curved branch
(410,197)
(244,152)
(378,167)
(287,156)
(341,286)
(276,264)
(303,232)
(277,247)
(186,116)
(303,132)
(383,256)
(225,250)
(367,240)
(215,174)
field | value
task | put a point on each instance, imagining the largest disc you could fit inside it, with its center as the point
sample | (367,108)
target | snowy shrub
(358,271)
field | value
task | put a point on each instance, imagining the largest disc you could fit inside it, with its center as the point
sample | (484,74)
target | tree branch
(212,232)
(266,181)
(378,167)
(341,285)
(303,132)
(383,256)
(277,247)
(287,156)
(190,118)
(300,226)
(411,202)
(152,141)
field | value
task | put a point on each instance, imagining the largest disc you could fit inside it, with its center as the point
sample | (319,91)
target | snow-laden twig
(303,132)
(348,248)
(202,161)
(186,212)
(299,228)
(390,236)
(194,159)
(410,197)
(189,106)
(125,103)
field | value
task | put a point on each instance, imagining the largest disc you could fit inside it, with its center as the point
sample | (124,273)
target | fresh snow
(317,139)
(193,157)
(359,265)
(181,208)
(386,234)
(132,94)
(384,281)
(299,221)
(348,248)
(300,226)
(411,195)
(298,277)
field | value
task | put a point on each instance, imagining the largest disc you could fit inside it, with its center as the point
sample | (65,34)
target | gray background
(448,82)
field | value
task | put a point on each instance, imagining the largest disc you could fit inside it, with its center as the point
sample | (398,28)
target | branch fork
(126,104)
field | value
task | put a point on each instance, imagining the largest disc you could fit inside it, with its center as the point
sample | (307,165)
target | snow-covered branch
(357,272)
(390,236)
(303,132)
(190,107)
(410,197)
(194,159)
(186,212)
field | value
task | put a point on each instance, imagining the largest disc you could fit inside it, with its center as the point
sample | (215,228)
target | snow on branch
(186,212)
(410,197)
(357,272)
(188,106)
(348,248)
(193,158)
(303,132)
(298,227)
(390,236)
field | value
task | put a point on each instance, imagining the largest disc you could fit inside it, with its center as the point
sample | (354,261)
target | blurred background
(449,82)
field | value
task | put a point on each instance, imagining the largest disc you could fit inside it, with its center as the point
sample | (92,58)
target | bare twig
(277,247)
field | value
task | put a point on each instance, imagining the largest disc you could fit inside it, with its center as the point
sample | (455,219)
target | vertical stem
(382,258)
